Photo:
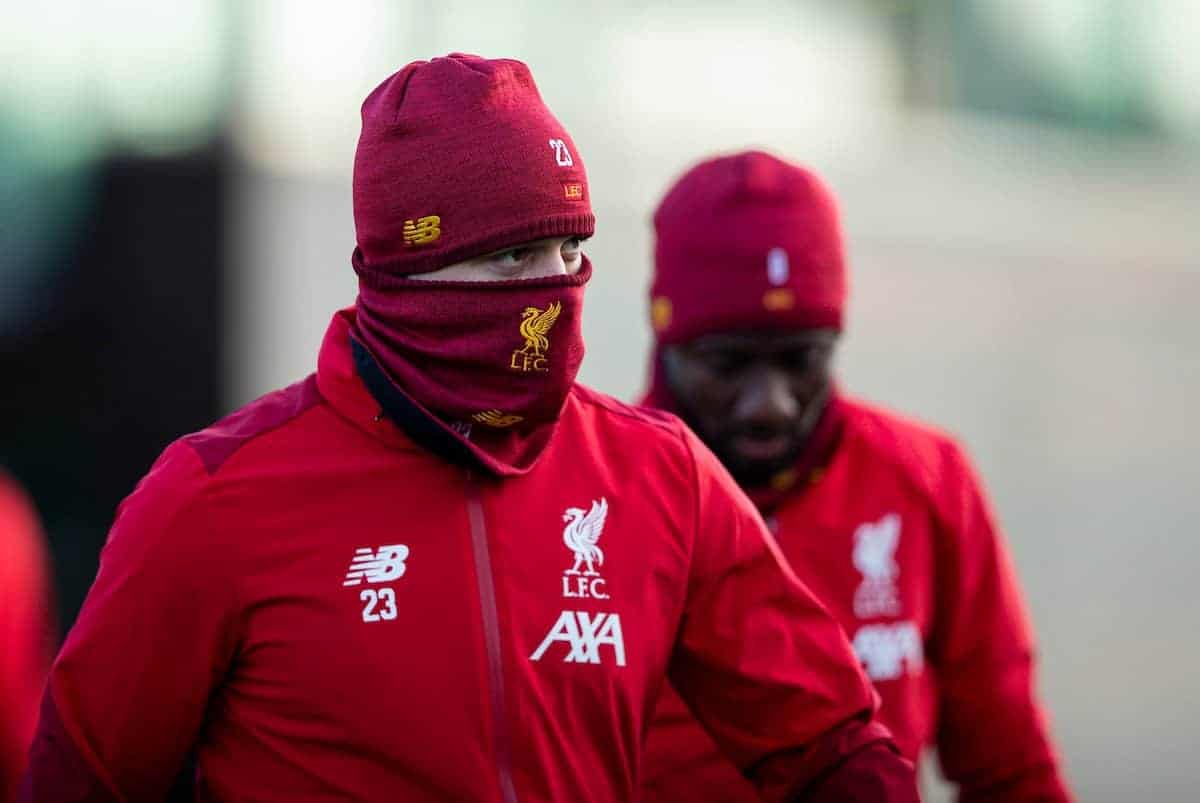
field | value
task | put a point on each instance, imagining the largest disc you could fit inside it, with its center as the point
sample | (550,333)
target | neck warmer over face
(491,363)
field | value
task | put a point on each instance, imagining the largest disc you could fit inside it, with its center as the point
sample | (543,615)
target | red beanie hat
(460,157)
(746,242)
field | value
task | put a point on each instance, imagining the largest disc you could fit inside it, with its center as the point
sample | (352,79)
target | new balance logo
(584,635)
(422,230)
(380,566)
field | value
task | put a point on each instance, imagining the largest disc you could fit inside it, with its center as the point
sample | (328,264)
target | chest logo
(377,566)
(890,651)
(535,326)
(584,634)
(581,534)
(874,556)
(374,566)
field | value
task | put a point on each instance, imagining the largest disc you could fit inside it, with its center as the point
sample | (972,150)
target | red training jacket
(896,538)
(320,610)
(26,630)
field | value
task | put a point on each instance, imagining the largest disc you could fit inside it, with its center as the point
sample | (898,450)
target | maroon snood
(493,361)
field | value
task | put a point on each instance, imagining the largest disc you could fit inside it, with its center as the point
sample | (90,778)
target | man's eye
(805,359)
(799,359)
(724,364)
(514,257)
(572,246)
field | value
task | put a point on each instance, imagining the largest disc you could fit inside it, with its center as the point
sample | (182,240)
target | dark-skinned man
(882,517)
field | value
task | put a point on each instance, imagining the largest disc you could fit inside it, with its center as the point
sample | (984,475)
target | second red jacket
(896,537)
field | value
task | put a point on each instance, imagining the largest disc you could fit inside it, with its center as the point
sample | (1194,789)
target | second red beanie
(746,242)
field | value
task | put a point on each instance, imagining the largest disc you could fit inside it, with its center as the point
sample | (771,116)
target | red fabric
(458,349)
(855,761)
(942,631)
(746,242)
(467,141)
(26,630)
(228,617)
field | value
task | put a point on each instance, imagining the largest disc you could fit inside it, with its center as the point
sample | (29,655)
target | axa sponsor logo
(874,556)
(535,327)
(888,651)
(583,635)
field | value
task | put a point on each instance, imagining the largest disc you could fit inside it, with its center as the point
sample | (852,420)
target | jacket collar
(340,385)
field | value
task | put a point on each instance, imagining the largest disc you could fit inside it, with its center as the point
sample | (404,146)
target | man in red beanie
(439,569)
(881,516)
(26,629)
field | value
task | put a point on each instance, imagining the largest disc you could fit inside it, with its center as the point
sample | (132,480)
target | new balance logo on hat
(422,230)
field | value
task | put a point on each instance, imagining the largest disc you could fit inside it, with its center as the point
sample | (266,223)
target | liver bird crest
(535,325)
(581,534)
(875,548)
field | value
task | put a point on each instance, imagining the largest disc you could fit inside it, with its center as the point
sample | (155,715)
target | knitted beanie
(459,157)
(746,242)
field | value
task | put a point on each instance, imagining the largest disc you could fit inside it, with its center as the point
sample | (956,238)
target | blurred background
(1020,181)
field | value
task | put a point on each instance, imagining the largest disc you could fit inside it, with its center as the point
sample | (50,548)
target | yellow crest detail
(495,418)
(779,299)
(535,326)
(660,313)
(784,479)
(423,230)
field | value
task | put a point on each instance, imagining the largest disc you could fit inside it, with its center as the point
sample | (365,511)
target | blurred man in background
(881,516)
(26,629)
(439,569)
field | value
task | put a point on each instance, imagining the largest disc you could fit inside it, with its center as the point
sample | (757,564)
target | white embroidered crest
(581,534)
(874,555)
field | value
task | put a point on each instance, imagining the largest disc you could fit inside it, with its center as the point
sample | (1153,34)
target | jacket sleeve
(127,693)
(767,671)
(26,630)
(992,736)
